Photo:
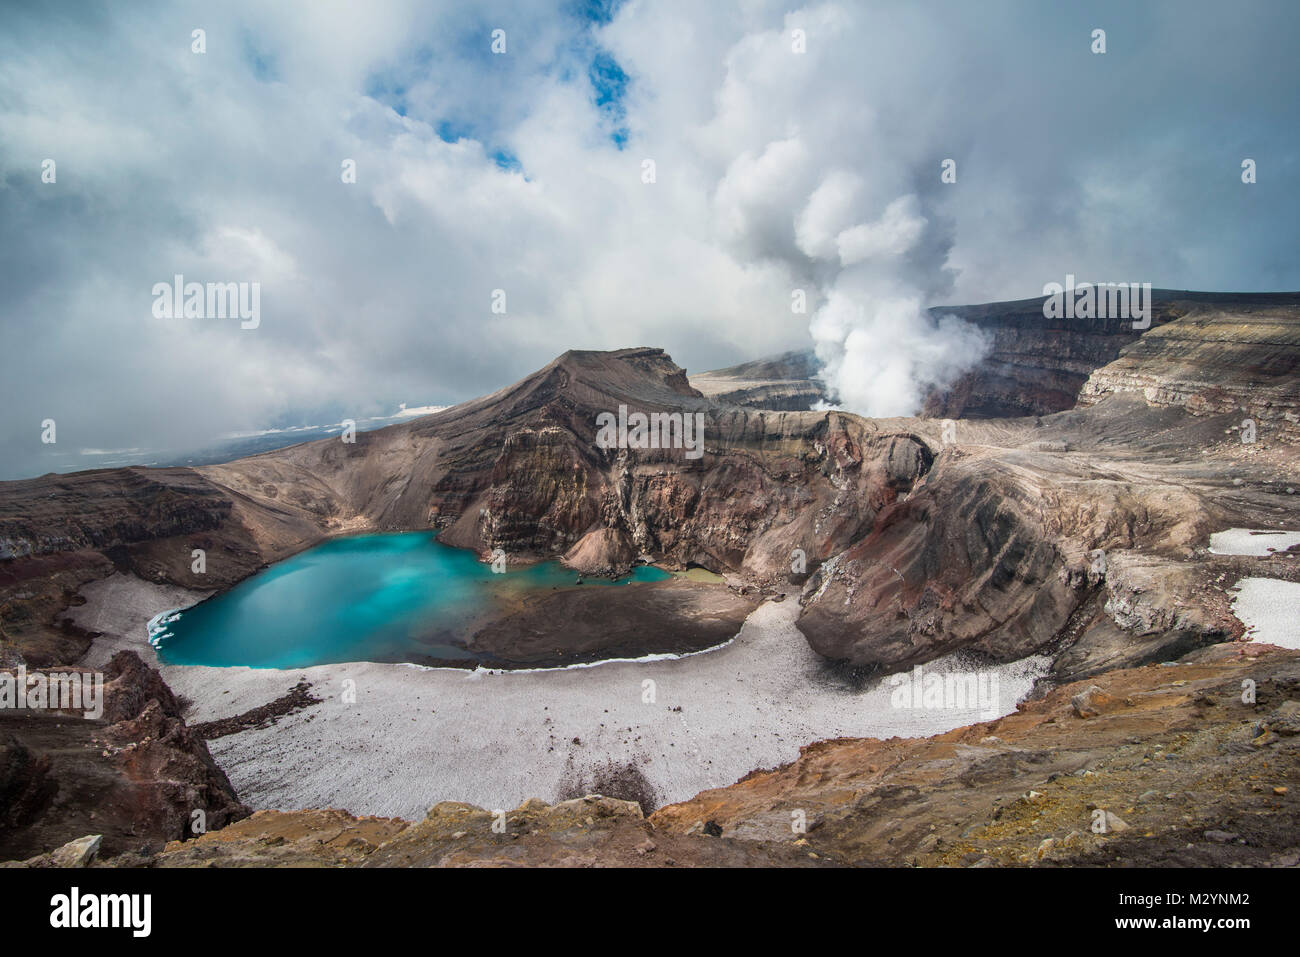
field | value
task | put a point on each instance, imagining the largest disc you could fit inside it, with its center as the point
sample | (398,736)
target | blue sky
(578,59)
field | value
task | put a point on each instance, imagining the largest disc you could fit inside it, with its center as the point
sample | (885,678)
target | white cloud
(775,170)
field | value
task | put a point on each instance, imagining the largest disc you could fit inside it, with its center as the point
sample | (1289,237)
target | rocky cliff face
(1238,358)
(1037,366)
(1036,534)
(994,549)
(135,776)
(522,470)
(105,508)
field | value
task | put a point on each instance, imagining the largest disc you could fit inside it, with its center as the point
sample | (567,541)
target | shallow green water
(400,597)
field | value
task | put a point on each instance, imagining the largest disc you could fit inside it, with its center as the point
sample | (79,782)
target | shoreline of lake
(392,739)
(407,598)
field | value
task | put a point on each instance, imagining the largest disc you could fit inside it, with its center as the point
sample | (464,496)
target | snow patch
(1270,610)
(1259,543)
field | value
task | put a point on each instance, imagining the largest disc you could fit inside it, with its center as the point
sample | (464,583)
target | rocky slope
(1079,530)
(921,539)
(136,776)
(1159,765)
(1038,534)
(1038,365)
(1234,358)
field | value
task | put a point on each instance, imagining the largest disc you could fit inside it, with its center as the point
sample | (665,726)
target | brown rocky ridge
(920,539)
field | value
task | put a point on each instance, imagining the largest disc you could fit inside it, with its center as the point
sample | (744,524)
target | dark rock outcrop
(135,776)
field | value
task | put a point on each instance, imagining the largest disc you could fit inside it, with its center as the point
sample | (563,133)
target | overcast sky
(524,171)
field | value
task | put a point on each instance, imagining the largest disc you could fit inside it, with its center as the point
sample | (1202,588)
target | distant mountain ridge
(1038,366)
(223,449)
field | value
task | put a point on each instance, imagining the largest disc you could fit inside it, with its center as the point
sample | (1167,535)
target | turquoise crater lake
(393,598)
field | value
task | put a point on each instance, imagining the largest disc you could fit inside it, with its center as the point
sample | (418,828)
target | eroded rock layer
(1038,365)
(1079,529)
